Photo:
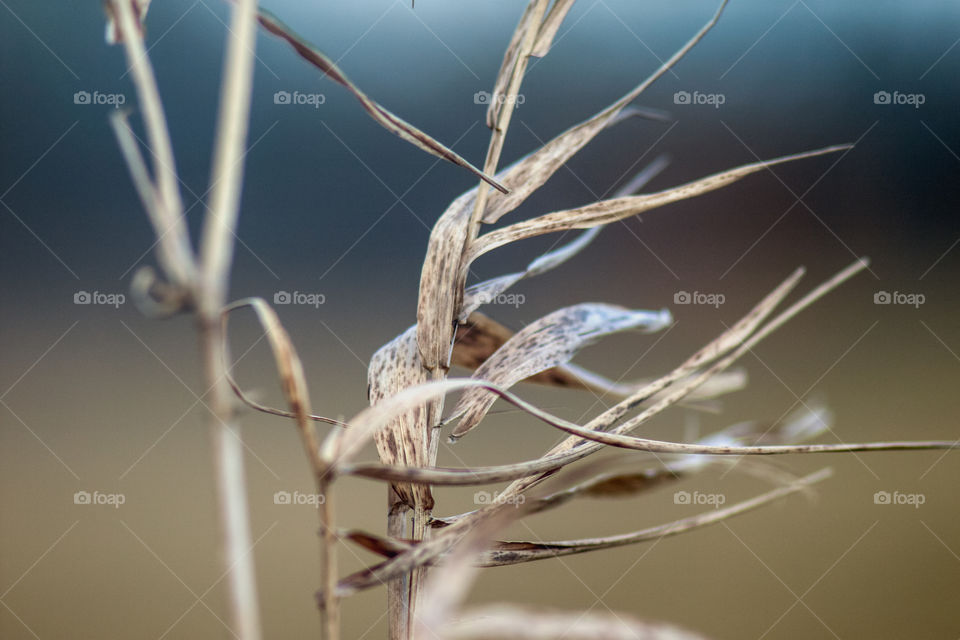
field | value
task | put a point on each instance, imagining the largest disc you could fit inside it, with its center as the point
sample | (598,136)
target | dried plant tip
(607,211)
(382,116)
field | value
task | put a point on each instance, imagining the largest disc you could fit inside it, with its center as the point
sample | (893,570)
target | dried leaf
(479,336)
(529,174)
(405,439)
(441,287)
(290,370)
(549,27)
(516,552)
(384,118)
(607,211)
(387,547)
(545,343)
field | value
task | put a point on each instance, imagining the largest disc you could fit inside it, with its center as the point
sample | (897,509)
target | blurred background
(96,398)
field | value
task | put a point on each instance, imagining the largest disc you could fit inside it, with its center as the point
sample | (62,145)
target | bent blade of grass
(381,115)
(544,344)
(614,209)
(479,336)
(517,552)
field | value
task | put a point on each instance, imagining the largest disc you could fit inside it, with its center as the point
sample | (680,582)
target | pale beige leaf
(529,174)
(549,27)
(515,552)
(479,336)
(382,116)
(290,369)
(404,440)
(545,343)
(607,211)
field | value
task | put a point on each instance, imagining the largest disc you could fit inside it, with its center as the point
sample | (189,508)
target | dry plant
(430,561)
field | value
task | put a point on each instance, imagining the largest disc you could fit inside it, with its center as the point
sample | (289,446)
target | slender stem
(231,490)
(166,215)
(227,176)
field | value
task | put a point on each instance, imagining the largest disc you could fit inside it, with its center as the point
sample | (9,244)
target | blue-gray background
(97,398)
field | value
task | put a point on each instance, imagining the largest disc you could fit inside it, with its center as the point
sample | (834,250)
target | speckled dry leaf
(607,211)
(545,343)
(140,7)
(405,440)
(385,118)
(510,622)
(479,336)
